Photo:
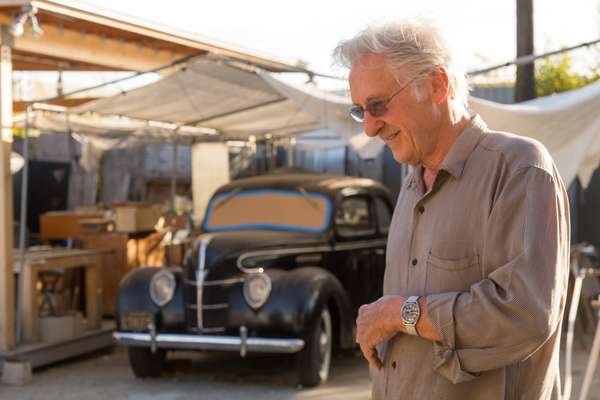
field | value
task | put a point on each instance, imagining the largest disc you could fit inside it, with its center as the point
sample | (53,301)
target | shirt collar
(459,153)
(455,160)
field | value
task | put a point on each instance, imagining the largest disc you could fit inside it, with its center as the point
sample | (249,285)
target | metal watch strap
(412,329)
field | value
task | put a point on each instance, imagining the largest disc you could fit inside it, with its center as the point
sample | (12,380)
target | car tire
(314,360)
(146,364)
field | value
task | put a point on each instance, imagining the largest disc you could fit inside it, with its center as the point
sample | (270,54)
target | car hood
(229,245)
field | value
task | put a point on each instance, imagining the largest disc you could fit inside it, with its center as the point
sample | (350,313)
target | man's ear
(439,85)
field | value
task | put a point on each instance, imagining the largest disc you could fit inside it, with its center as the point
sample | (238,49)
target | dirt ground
(106,375)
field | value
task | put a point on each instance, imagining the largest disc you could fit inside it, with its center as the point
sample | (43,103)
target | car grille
(214,304)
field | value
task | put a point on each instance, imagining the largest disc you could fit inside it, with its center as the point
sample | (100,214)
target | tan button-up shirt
(488,246)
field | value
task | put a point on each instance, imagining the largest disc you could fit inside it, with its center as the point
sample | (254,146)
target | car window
(383,215)
(353,217)
(297,211)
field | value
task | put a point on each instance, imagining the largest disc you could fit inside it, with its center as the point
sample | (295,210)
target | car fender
(295,303)
(134,297)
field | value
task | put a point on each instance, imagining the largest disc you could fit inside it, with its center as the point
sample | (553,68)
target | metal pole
(593,360)
(23,225)
(570,335)
(174,172)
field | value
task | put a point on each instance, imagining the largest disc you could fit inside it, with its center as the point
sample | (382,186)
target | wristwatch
(410,314)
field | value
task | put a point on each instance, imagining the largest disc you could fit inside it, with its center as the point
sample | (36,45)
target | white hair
(413,49)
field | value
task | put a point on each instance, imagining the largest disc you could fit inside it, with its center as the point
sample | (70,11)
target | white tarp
(108,128)
(242,102)
(568,124)
(237,101)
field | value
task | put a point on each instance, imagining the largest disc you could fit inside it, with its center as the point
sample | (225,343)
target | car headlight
(257,288)
(162,287)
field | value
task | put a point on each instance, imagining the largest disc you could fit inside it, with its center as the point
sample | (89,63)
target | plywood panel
(210,170)
(114,264)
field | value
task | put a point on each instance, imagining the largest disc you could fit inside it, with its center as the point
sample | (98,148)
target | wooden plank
(57,261)
(19,106)
(42,354)
(29,307)
(93,293)
(7,284)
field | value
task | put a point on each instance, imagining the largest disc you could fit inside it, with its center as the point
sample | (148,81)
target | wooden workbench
(52,259)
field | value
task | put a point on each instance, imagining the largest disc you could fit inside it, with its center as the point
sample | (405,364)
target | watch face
(410,313)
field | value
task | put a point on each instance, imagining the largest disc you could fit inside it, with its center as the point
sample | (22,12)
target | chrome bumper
(175,341)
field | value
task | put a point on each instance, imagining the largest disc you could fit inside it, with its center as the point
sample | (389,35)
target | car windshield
(297,211)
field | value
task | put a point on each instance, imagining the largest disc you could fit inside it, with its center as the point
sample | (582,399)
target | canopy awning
(235,100)
(239,102)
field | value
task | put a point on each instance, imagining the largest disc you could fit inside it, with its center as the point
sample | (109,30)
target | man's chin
(403,158)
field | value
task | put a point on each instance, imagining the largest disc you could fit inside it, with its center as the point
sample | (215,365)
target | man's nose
(372,125)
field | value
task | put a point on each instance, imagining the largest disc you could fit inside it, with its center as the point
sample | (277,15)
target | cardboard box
(136,217)
(60,225)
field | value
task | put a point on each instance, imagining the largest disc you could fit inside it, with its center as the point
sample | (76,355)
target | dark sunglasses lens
(377,108)
(357,114)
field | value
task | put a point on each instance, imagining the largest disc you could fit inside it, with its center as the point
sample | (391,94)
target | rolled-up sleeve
(518,305)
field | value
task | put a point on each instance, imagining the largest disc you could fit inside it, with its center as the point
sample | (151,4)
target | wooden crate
(60,225)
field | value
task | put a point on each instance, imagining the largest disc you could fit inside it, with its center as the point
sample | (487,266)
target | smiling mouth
(390,137)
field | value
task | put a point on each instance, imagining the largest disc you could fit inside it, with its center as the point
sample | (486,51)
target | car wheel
(146,364)
(314,360)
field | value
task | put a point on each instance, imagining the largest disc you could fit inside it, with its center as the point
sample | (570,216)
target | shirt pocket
(450,273)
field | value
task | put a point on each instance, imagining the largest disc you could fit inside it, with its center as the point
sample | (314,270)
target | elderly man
(477,254)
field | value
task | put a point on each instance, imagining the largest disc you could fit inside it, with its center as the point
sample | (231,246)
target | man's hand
(376,323)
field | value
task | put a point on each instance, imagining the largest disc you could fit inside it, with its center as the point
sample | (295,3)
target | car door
(383,216)
(355,230)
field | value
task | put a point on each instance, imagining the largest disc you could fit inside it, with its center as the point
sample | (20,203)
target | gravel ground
(106,375)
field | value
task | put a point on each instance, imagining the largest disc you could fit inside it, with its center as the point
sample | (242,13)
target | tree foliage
(555,75)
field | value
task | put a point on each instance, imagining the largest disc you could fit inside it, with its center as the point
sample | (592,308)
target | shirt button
(394,364)
(421,209)
(414,262)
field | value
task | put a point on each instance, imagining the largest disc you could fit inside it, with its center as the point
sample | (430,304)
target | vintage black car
(282,265)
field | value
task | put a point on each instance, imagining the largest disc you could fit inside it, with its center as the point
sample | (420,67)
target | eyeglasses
(377,108)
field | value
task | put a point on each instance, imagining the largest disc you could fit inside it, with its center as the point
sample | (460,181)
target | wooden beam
(91,19)
(19,106)
(7,280)
(23,61)
(92,49)
(110,20)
